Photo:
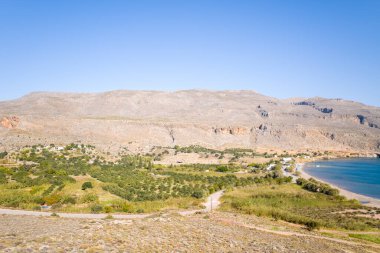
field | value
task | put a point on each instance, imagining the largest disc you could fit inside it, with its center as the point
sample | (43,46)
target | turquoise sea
(359,175)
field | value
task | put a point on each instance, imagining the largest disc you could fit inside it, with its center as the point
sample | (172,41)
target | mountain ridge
(217,119)
(35,93)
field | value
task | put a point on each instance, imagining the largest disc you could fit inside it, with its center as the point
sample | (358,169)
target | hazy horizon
(279,49)
(178,90)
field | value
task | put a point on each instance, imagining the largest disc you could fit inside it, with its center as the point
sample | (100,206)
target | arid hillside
(217,119)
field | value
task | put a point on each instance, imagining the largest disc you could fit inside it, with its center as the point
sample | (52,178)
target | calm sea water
(359,175)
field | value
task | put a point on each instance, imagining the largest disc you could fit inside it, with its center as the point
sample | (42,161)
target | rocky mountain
(218,119)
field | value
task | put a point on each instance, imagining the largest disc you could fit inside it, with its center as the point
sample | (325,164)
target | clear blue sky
(302,48)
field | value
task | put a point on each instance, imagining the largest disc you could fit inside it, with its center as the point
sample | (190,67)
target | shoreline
(364,200)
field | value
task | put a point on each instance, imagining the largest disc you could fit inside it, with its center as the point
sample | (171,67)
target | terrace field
(132,183)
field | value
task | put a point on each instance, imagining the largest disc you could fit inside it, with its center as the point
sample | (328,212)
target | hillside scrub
(293,204)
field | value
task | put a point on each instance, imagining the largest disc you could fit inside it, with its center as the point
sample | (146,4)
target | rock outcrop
(10,122)
(230,130)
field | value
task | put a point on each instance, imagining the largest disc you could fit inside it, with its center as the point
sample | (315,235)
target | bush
(48,190)
(3,154)
(96,208)
(89,198)
(222,169)
(15,198)
(14,185)
(36,208)
(312,225)
(316,186)
(54,215)
(128,208)
(86,185)
(52,199)
(198,194)
(68,200)
(108,209)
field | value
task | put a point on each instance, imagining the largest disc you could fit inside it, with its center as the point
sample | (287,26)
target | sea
(358,175)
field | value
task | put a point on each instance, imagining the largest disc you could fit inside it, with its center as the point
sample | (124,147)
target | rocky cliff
(218,119)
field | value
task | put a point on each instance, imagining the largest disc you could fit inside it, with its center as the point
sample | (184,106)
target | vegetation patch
(368,237)
(76,179)
(293,204)
(86,185)
(316,186)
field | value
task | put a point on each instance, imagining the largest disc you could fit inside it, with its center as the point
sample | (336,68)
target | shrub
(108,209)
(56,206)
(222,169)
(88,198)
(128,208)
(86,185)
(48,190)
(96,208)
(35,189)
(3,178)
(14,198)
(312,225)
(315,186)
(197,194)
(68,200)
(36,208)
(3,154)
(52,199)
(14,185)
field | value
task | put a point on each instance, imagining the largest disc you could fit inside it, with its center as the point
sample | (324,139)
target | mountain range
(140,120)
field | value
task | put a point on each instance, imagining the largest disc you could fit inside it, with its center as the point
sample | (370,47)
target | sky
(326,48)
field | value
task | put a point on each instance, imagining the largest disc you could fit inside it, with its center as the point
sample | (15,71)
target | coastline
(365,200)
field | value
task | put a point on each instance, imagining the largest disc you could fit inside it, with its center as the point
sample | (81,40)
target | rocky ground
(216,232)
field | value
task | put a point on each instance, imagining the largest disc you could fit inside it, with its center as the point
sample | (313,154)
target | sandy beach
(365,200)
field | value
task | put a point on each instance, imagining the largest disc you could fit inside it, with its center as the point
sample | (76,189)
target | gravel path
(212,203)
